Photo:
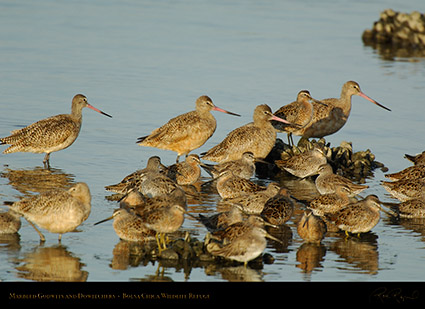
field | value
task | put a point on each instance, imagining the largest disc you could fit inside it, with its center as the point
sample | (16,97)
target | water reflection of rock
(37,180)
(397,35)
(51,264)
(361,253)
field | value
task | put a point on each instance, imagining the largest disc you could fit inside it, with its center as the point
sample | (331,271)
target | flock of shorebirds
(153,201)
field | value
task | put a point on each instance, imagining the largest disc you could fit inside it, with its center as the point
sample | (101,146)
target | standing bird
(311,228)
(51,134)
(358,217)
(279,208)
(185,132)
(258,137)
(299,112)
(243,167)
(58,211)
(187,172)
(331,118)
(327,182)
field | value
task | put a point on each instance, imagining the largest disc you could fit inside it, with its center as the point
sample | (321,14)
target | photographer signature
(394,294)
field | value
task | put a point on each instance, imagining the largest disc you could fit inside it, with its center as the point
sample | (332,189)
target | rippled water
(147,61)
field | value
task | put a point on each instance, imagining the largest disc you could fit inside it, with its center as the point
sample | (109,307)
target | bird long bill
(273,238)
(373,101)
(98,110)
(320,102)
(280,119)
(104,220)
(218,109)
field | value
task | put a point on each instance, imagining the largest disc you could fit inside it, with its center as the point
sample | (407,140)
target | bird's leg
(46,161)
(42,238)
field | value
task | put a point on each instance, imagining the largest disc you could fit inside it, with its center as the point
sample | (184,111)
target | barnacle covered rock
(397,34)
(355,165)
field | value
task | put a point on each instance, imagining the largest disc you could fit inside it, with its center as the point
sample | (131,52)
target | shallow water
(144,62)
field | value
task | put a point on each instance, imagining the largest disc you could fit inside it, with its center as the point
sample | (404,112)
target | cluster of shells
(398,30)
(357,165)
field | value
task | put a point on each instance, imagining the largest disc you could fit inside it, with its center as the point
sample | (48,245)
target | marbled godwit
(187,172)
(305,164)
(299,112)
(163,221)
(331,118)
(416,159)
(258,137)
(242,241)
(129,227)
(252,203)
(230,186)
(278,209)
(10,222)
(311,228)
(243,167)
(132,180)
(221,220)
(51,134)
(57,211)
(186,132)
(404,190)
(330,202)
(358,217)
(327,181)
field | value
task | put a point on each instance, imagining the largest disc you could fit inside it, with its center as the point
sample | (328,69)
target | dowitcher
(258,137)
(132,180)
(331,118)
(252,203)
(416,159)
(221,220)
(51,134)
(129,227)
(404,190)
(153,185)
(279,208)
(412,208)
(329,202)
(10,222)
(163,221)
(230,186)
(185,132)
(311,228)
(58,211)
(187,172)
(243,167)
(411,172)
(359,217)
(299,112)
(304,164)
(242,242)
(327,181)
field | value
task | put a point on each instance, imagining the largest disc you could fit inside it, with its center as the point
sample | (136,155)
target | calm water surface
(147,61)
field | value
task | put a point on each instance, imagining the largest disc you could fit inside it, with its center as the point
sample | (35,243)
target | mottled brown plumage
(331,118)
(187,172)
(404,190)
(304,164)
(359,217)
(311,228)
(186,132)
(411,172)
(329,202)
(51,134)
(257,137)
(58,211)
(129,227)
(221,220)
(299,112)
(230,186)
(418,159)
(327,182)
(243,167)
(10,222)
(279,208)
